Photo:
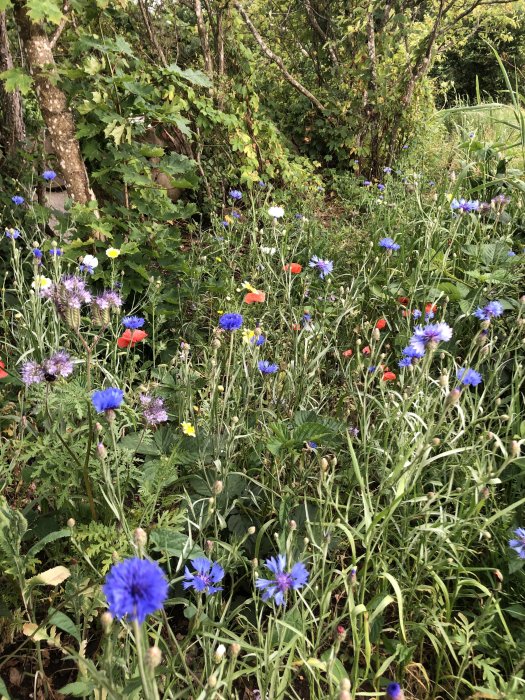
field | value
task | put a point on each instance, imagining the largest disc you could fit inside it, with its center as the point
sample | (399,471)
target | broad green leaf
(45,540)
(16,79)
(44,11)
(65,623)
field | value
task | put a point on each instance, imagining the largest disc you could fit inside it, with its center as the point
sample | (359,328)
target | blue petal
(201,565)
(299,575)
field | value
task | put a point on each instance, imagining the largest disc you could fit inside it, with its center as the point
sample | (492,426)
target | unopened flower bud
(333,462)
(376,334)
(436,441)
(341,636)
(212,681)
(235,420)
(235,650)
(208,546)
(219,653)
(485,492)
(218,487)
(251,530)
(324,464)
(71,522)
(140,537)
(497,573)
(486,535)
(255,563)
(102,453)
(98,427)
(345,684)
(106,620)
(453,397)
(515,449)
(293,525)
(522,300)
(216,343)
(153,657)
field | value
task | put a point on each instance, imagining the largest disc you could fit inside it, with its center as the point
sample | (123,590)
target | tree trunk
(53,105)
(12,128)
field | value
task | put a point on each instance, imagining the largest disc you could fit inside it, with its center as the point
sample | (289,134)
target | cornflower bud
(251,530)
(218,487)
(71,522)
(453,397)
(106,620)
(153,657)
(235,650)
(140,537)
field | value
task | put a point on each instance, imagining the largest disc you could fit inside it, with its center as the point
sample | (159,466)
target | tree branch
(275,59)
(151,34)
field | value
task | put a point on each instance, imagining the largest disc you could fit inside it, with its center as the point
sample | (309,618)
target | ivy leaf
(16,79)
(44,10)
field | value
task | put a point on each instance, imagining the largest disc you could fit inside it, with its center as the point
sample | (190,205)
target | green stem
(140,659)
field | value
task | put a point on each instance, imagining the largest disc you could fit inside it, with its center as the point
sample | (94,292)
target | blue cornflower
(278,587)
(325,267)
(372,368)
(258,340)
(464,205)
(235,194)
(381,187)
(37,253)
(207,575)
(17,199)
(405,362)
(469,377)
(491,310)
(230,322)
(49,175)
(12,233)
(429,315)
(107,399)
(307,318)
(133,322)
(236,215)
(394,692)
(511,254)
(413,353)
(136,588)
(225,224)
(431,183)
(389,244)
(299,216)
(266,367)
(430,335)
(55,252)
(367,183)
(261,183)
(312,445)
(416,313)
(387,170)
(519,544)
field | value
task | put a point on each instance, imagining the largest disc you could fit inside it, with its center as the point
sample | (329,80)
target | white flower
(219,653)
(276,212)
(268,251)
(90,261)
(40,282)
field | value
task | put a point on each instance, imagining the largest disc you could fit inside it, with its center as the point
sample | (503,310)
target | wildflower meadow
(264,440)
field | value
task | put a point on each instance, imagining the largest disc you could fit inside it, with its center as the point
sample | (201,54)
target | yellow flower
(228,219)
(449,197)
(41,282)
(218,259)
(113,253)
(188,429)
(247,336)
(249,287)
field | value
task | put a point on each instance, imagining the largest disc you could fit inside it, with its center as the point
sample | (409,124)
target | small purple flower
(108,300)
(208,575)
(258,340)
(413,353)
(278,587)
(72,292)
(231,322)
(135,588)
(367,183)
(325,267)
(312,445)
(261,183)
(32,373)
(469,377)
(430,335)
(225,224)
(394,692)
(59,364)
(405,362)
(235,194)
(107,399)
(492,310)
(133,322)
(381,187)
(153,409)
(511,254)
(12,233)
(49,175)
(416,313)
(387,170)
(429,315)
(500,200)
(55,252)
(266,367)
(519,544)
(17,199)
(354,432)
(389,244)
(37,253)
(236,215)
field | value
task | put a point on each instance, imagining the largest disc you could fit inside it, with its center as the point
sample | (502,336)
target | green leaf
(51,537)
(16,79)
(77,689)
(3,689)
(4,5)
(192,76)
(173,544)
(65,623)
(44,11)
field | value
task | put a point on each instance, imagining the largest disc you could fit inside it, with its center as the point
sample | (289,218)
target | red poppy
(406,313)
(296,326)
(366,350)
(348,353)
(431,308)
(381,324)
(389,376)
(2,373)
(253,297)
(131,337)
(404,301)
(294,268)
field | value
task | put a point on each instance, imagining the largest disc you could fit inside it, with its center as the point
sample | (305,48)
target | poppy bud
(341,633)
(515,449)
(376,335)
(71,523)
(140,537)
(293,525)
(216,343)
(212,681)
(217,488)
(106,620)
(251,530)
(453,397)
(235,650)
(101,451)
(324,464)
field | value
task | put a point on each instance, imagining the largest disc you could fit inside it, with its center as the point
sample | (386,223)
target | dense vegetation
(262,350)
